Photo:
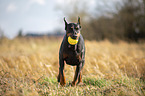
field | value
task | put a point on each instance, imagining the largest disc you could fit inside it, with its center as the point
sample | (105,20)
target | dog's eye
(77,28)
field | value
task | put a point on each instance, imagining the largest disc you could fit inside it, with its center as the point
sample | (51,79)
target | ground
(29,66)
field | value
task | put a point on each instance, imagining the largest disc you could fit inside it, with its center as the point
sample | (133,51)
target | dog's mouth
(74,36)
(72,41)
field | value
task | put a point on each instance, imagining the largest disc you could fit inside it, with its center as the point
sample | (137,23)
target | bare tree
(20,33)
(126,22)
(1,33)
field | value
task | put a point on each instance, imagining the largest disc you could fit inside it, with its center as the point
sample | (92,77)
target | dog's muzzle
(74,36)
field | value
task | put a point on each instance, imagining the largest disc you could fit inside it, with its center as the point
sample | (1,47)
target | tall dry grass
(25,62)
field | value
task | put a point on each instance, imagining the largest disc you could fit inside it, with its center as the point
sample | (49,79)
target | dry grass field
(29,67)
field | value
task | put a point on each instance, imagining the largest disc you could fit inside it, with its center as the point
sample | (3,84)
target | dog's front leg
(77,73)
(61,72)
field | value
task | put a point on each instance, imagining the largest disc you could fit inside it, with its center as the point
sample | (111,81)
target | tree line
(128,23)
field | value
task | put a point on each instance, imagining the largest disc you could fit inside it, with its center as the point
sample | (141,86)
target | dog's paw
(73,84)
(81,84)
(62,84)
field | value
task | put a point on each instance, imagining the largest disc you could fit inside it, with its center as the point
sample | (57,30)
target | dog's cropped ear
(79,20)
(65,23)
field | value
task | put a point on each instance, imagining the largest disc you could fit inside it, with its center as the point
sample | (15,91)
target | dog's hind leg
(80,78)
(80,82)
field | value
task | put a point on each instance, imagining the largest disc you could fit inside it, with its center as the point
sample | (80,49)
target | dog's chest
(72,51)
(72,56)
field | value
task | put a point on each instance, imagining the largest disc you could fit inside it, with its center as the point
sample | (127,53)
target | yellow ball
(72,41)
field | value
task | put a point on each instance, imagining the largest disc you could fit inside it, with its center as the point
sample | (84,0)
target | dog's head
(73,29)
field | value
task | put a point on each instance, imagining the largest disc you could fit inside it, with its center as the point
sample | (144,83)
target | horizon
(41,15)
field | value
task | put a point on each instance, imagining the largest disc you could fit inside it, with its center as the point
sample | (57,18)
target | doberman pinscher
(72,51)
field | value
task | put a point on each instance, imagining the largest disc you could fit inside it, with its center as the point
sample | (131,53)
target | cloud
(41,2)
(11,7)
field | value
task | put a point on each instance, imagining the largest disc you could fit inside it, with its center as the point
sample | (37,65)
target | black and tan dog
(72,51)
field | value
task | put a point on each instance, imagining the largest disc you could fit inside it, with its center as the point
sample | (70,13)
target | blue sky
(28,15)
(41,16)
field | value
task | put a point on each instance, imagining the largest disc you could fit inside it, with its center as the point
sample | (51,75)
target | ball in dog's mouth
(72,41)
